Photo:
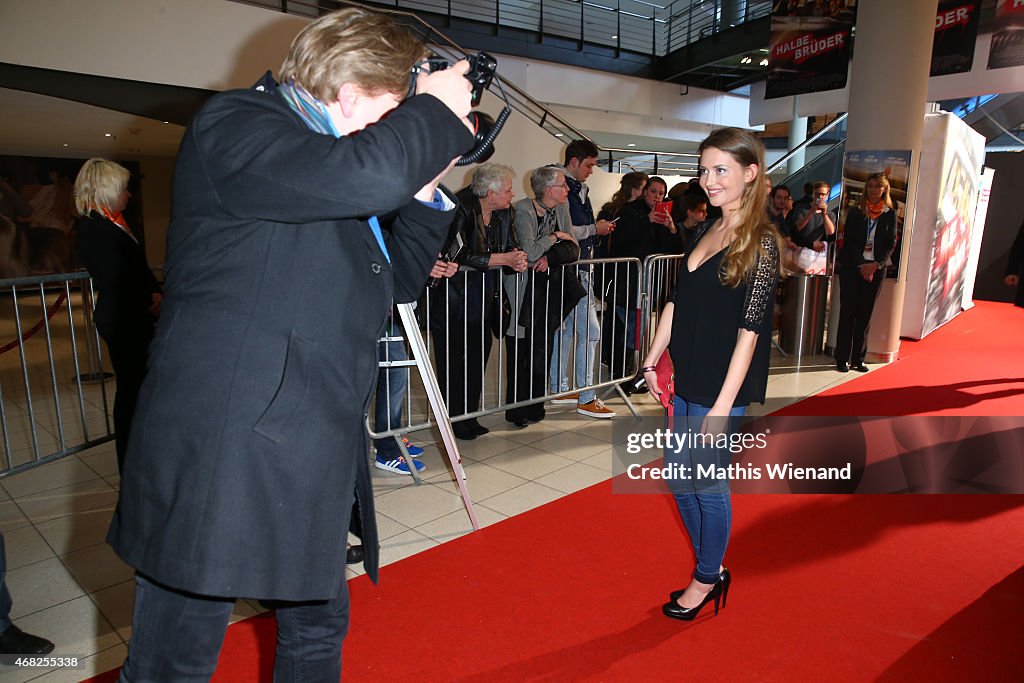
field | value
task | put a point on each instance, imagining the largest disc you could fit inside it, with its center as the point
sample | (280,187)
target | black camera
(482,68)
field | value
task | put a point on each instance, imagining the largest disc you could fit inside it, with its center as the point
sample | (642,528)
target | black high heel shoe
(672,609)
(724,578)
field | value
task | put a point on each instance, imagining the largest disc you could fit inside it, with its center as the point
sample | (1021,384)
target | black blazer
(249,435)
(855,235)
(123,280)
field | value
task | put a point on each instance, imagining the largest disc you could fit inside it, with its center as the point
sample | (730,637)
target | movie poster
(1007,35)
(956,32)
(809,48)
(857,166)
(37,214)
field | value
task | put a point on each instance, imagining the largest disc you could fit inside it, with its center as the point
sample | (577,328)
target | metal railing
(53,399)
(460,320)
(693,20)
(637,25)
(634,25)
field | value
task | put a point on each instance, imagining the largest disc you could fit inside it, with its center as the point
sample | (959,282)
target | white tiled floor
(69,586)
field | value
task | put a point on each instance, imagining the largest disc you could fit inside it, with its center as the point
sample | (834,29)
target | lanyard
(872,224)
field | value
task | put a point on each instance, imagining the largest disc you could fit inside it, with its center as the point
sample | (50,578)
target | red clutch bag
(666,380)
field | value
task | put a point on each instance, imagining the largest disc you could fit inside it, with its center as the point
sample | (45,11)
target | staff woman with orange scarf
(129,296)
(868,242)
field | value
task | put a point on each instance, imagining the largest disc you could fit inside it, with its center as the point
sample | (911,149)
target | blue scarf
(314,114)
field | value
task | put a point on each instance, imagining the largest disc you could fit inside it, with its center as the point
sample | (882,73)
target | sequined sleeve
(761,287)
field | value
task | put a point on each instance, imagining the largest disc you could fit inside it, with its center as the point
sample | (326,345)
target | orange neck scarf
(875,210)
(117,219)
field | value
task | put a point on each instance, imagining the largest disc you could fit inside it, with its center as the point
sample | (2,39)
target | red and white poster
(809,48)
(956,32)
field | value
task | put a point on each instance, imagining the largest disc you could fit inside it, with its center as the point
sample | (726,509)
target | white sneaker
(566,400)
(396,465)
(595,408)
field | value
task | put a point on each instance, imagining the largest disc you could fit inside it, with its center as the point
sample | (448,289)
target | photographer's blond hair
(99,185)
(355,46)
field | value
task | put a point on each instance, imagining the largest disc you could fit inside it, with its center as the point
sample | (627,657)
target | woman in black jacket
(468,303)
(129,295)
(869,239)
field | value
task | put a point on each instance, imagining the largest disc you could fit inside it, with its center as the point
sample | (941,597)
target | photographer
(469,303)
(813,225)
(249,437)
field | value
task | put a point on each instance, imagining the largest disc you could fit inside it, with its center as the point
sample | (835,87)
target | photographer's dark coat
(249,437)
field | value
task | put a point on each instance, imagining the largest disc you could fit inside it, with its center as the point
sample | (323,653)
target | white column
(888,95)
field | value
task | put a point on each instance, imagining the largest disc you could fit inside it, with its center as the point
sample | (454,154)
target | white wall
(211,44)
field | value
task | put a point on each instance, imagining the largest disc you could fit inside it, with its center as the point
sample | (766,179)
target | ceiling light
(107,135)
(558,135)
(764,62)
(632,144)
(746,60)
(65,144)
(166,122)
(615,37)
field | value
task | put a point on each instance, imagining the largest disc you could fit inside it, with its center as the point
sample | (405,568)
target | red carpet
(837,588)
(973,365)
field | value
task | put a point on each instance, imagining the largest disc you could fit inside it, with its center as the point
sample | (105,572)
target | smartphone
(664,206)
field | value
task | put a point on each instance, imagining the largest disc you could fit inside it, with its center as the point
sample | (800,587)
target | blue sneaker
(396,465)
(414,450)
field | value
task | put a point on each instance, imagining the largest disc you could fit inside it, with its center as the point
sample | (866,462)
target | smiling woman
(718,331)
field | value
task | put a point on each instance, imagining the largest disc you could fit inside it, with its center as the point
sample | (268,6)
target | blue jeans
(582,319)
(391,386)
(704,506)
(177,636)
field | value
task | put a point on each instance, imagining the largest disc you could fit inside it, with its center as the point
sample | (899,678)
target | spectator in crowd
(129,296)
(581,323)
(814,226)
(804,202)
(541,223)
(14,641)
(642,230)
(717,330)
(631,186)
(250,438)
(695,212)
(869,239)
(779,208)
(466,311)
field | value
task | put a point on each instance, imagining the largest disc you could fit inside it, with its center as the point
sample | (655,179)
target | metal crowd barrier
(660,274)
(53,399)
(461,319)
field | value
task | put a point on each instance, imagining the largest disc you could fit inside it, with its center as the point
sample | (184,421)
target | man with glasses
(814,226)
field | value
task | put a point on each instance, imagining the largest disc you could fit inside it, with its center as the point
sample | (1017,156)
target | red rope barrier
(52,311)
